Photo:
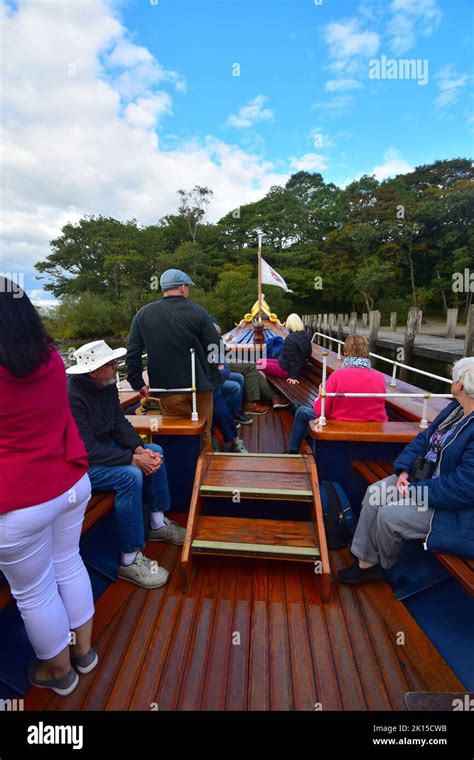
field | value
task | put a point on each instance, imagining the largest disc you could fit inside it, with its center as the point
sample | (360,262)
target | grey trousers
(386,520)
(256,386)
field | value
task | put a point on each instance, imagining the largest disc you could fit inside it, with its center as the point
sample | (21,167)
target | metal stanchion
(322,392)
(194,414)
(424,418)
(393,382)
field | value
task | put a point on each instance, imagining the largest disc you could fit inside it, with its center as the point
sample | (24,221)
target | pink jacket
(41,452)
(354,380)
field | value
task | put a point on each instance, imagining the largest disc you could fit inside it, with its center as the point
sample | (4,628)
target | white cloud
(338,85)
(393,164)
(336,106)
(252,112)
(350,44)
(346,39)
(310,162)
(147,111)
(411,18)
(79,139)
(42,299)
(450,87)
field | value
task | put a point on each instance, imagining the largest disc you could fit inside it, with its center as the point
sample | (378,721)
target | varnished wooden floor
(253,635)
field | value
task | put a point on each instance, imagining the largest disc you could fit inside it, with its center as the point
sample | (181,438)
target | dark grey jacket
(101,420)
(166,330)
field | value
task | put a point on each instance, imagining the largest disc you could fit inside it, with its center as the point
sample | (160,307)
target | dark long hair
(24,341)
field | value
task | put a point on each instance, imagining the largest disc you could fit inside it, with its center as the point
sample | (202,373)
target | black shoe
(241,417)
(355,574)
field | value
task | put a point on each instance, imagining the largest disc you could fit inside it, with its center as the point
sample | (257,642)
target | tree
(193,207)
(385,245)
(77,262)
(372,278)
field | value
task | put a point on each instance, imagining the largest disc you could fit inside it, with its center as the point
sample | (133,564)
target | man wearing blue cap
(167,329)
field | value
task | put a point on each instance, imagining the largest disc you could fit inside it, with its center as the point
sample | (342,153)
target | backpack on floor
(339,519)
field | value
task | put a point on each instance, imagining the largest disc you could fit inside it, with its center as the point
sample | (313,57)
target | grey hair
(463,370)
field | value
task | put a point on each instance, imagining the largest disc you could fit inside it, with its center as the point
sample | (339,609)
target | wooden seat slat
(156,424)
(381,469)
(343,430)
(462,568)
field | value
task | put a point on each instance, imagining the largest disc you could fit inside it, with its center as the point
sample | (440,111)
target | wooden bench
(461,568)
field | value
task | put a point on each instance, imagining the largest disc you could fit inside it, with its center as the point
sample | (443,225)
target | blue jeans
(300,427)
(133,489)
(233,392)
(222,418)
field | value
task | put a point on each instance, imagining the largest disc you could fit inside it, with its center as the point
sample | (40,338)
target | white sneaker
(171,532)
(239,448)
(144,572)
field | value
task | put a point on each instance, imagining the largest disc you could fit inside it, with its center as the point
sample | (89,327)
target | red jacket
(354,380)
(41,452)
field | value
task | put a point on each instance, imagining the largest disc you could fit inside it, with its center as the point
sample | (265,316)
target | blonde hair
(356,345)
(294,323)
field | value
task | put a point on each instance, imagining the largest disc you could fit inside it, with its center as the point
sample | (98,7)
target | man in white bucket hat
(120,462)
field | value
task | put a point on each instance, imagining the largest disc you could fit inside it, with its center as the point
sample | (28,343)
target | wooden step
(262,476)
(280,539)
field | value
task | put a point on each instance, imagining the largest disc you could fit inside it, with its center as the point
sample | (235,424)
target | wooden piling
(374,326)
(353,323)
(325,330)
(451,323)
(469,342)
(411,331)
(393,321)
(340,325)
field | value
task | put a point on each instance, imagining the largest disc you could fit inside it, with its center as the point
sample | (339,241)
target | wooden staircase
(262,477)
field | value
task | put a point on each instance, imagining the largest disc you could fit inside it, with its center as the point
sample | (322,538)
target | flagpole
(259,276)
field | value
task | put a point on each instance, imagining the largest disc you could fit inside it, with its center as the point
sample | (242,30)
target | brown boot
(279,402)
(256,408)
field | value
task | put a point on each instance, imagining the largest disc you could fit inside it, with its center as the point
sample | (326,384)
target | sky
(110,106)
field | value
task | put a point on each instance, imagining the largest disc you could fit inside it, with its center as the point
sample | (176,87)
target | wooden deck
(252,635)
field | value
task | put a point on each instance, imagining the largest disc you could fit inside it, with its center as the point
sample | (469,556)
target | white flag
(271,277)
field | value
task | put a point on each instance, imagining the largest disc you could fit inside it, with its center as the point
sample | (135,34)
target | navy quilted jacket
(296,349)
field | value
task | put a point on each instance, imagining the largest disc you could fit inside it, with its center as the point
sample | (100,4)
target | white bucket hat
(93,355)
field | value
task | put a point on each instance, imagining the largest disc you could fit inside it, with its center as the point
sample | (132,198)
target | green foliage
(387,304)
(372,244)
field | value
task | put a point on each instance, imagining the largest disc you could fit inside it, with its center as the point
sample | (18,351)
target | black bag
(339,519)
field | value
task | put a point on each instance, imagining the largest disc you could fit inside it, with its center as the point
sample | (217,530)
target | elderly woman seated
(354,376)
(430,497)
